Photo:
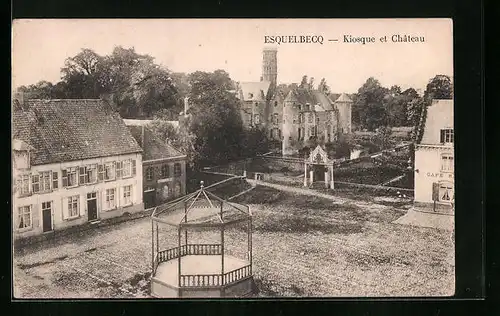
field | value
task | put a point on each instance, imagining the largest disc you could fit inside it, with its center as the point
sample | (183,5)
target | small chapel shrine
(318,168)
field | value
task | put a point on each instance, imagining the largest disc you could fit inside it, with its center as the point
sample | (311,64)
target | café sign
(440,175)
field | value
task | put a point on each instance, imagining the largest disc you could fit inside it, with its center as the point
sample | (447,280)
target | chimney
(142,136)
(18,100)
(186,105)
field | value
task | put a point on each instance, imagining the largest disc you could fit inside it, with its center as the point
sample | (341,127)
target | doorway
(319,173)
(149,198)
(47,216)
(92,206)
(446,193)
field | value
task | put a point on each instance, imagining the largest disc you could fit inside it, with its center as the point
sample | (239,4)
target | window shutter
(35,180)
(133,167)
(118,197)
(64,208)
(100,172)
(118,170)
(55,180)
(64,178)
(442,136)
(81,173)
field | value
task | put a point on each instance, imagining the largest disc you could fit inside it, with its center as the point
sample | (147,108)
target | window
(69,177)
(73,207)
(300,107)
(275,103)
(164,171)
(301,118)
(177,169)
(127,168)
(257,119)
(119,169)
(91,172)
(100,171)
(275,118)
(177,189)
(446,192)
(447,163)
(127,198)
(45,181)
(299,134)
(35,183)
(84,177)
(311,131)
(46,206)
(23,183)
(109,171)
(110,199)
(24,217)
(250,95)
(149,173)
(310,118)
(446,136)
(55,180)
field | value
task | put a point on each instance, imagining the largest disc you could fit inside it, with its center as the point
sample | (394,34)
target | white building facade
(52,189)
(434,156)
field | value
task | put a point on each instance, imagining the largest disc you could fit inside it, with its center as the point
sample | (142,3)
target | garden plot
(302,245)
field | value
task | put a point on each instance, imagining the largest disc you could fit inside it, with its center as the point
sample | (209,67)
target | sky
(40,47)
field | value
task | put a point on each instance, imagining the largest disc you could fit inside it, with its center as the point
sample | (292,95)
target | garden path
(302,191)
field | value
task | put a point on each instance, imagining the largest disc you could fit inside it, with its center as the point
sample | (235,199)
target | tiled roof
(146,122)
(153,148)
(343,98)
(254,91)
(71,129)
(439,116)
(316,98)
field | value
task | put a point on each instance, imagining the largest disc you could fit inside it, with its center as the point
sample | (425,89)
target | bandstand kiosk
(193,265)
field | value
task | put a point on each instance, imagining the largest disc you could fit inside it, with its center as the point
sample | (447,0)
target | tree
(303,83)
(414,110)
(132,82)
(138,86)
(255,141)
(382,137)
(323,87)
(395,103)
(41,90)
(85,75)
(216,121)
(439,87)
(369,105)
(311,83)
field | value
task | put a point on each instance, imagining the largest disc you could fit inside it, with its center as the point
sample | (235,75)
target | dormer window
(22,159)
(446,136)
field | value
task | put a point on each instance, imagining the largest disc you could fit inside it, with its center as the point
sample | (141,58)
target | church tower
(270,65)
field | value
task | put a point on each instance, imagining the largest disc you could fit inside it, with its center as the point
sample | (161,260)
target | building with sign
(74,161)
(434,156)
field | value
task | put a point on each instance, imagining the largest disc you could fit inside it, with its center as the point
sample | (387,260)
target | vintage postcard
(181,158)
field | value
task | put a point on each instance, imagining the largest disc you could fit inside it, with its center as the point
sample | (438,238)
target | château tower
(270,65)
